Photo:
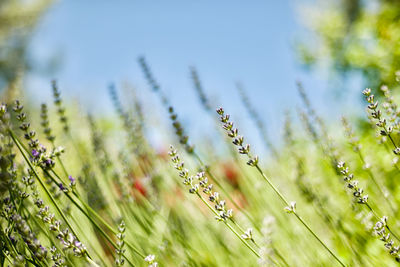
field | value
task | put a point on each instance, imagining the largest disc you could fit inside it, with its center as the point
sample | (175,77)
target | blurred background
(264,45)
(117,140)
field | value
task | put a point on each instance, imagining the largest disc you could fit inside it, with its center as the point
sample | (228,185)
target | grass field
(80,190)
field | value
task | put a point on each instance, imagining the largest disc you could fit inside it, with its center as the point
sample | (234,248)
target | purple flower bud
(61,186)
(35,153)
(71,179)
(49,163)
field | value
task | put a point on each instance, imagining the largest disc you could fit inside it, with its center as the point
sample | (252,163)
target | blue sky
(228,41)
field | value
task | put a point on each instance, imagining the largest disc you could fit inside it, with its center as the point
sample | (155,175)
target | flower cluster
(380,230)
(8,181)
(353,140)
(200,181)
(152,81)
(60,108)
(3,113)
(352,184)
(132,124)
(179,131)
(390,107)
(376,114)
(248,234)
(29,238)
(255,116)
(43,158)
(7,208)
(237,140)
(39,155)
(72,181)
(220,205)
(150,259)
(147,72)
(56,257)
(45,123)
(199,89)
(24,126)
(68,240)
(119,261)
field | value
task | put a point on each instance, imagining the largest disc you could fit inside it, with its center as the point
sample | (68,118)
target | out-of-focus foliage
(17,21)
(355,36)
(80,190)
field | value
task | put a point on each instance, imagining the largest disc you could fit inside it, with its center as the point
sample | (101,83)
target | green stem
(319,240)
(297,216)
(98,217)
(272,185)
(44,187)
(77,205)
(371,175)
(61,163)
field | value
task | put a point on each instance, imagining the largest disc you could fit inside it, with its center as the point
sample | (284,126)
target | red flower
(231,173)
(139,187)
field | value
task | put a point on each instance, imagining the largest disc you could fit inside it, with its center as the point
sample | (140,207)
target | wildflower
(138,185)
(291,208)
(150,259)
(35,153)
(231,173)
(119,261)
(197,85)
(352,184)
(248,234)
(237,140)
(367,92)
(380,231)
(29,237)
(60,108)
(62,187)
(253,161)
(72,181)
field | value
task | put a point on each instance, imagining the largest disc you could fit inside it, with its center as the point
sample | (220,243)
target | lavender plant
(253,161)
(65,189)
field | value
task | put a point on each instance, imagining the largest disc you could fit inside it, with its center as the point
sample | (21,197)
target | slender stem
(61,163)
(371,175)
(280,256)
(96,224)
(77,205)
(298,216)
(44,187)
(272,185)
(390,137)
(319,240)
(98,217)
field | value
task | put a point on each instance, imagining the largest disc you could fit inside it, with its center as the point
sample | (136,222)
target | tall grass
(84,190)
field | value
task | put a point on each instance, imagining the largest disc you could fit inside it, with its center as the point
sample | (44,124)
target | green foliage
(355,36)
(104,198)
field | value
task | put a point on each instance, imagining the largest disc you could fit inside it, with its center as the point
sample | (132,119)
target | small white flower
(150,258)
(291,208)
(248,234)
